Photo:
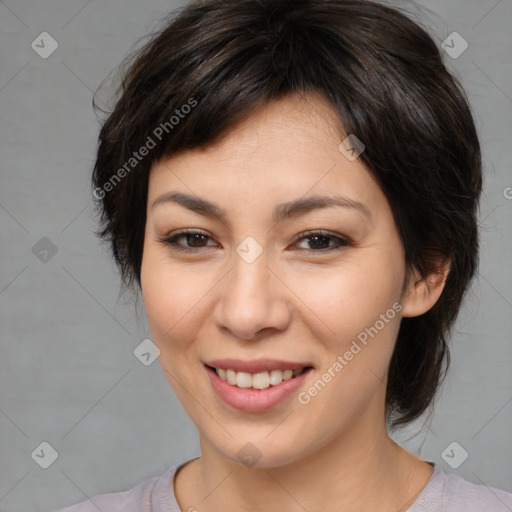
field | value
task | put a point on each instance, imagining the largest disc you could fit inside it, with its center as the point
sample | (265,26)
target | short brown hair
(385,78)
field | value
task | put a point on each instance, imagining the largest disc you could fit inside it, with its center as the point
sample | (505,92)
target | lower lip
(255,400)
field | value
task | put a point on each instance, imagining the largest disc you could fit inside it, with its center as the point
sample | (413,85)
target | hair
(383,75)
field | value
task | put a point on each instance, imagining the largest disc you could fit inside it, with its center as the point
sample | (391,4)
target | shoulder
(452,493)
(153,495)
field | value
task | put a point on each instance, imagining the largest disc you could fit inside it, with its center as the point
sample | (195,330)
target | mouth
(257,380)
(256,386)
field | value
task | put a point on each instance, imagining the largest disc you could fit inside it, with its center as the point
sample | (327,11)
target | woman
(293,186)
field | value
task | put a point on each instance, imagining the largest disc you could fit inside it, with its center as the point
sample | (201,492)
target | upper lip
(256,366)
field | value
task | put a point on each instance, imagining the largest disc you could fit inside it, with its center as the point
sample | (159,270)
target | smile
(260,380)
(255,386)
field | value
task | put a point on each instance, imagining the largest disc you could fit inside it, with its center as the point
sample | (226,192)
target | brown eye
(193,240)
(321,241)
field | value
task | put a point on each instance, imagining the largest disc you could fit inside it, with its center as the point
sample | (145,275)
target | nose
(253,301)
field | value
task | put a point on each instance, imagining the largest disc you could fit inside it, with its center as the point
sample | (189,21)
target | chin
(262,454)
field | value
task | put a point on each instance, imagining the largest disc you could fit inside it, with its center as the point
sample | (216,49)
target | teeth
(243,380)
(261,380)
(276,377)
(231,377)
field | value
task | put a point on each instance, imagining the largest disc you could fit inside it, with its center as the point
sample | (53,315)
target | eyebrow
(282,211)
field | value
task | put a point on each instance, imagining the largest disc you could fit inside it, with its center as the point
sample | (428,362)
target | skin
(295,302)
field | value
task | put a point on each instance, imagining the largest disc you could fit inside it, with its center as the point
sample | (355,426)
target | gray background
(68,375)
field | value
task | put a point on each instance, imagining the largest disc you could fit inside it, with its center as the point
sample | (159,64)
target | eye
(196,240)
(319,241)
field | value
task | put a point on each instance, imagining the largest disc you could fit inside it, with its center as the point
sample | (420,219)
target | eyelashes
(319,241)
(172,241)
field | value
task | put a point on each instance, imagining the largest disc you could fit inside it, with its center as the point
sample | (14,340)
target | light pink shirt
(443,493)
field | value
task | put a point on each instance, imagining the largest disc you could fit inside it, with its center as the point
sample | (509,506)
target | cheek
(359,302)
(172,300)
(364,314)
(346,299)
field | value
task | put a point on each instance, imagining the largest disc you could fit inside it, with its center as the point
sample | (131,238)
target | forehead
(289,147)
(289,125)
(292,124)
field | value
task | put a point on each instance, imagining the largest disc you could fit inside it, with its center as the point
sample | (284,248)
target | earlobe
(423,292)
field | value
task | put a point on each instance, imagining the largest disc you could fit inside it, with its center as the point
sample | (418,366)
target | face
(270,277)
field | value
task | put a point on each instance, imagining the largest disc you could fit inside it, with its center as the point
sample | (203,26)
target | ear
(423,292)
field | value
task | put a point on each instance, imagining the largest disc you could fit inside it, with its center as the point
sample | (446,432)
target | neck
(364,470)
